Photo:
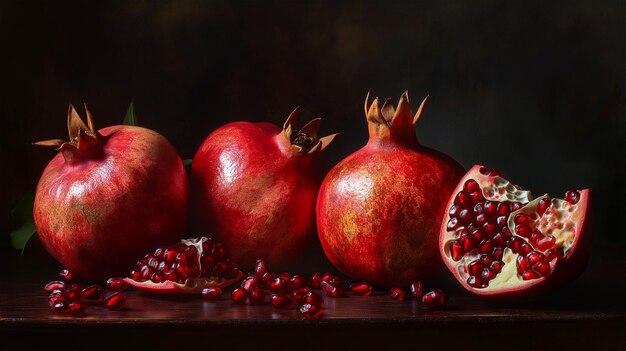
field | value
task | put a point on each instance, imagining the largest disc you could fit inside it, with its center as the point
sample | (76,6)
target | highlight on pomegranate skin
(499,241)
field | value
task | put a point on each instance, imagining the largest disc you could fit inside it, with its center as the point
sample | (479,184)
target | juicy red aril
(396,294)
(313,298)
(361,288)
(434,299)
(311,310)
(211,294)
(115,301)
(299,294)
(278,285)
(281,301)
(59,305)
(316,279)
(257,297)
(298,282)
(260,268)
(75,308)
(239,296)
(572,196)
(116,284)
(543,206)
(416,288)
(73,293)
(67,276)
(250,283)
(330,289)
(471,186)
(54,285)
(267,278)
(92,292)
(286,276)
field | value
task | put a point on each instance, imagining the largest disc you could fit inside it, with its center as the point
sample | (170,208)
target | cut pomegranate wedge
(185,268)
(498,241)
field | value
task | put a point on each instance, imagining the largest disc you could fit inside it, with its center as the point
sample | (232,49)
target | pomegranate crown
(305,140)
(82,137)
(387,122)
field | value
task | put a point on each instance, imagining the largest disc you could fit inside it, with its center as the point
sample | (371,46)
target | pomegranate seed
(522,219)
(257,297)
(474,281)
(471,185)
(299,294)
(485,247)
(315,280)
(285,276)
(260,268)
(523,230)
(534,257)
(240,295)
(267,278)
(572,196)
(465,216)
(116,284)
(515,244)
(496,266)
(490,228)
(67,276)
(59,305)
(525,249)
(416,288)
(73,293)
(250,283)
(92,292)
(115,301)
(280,301)
(327,277)
(475,267)
(552,254)
(491,208)
(467,244)
(212,294)
(501,221)
(56,297)
(486,260)
(487,274)
(298,282)
(456,251)
(498,239)
(396,294)
(54,285)
(497,252)
(503,209)
(478,234)
(522,264)
(336,281)
(481,219)
(434,299)
(542,268)
(547,242)
(311,310)
(75,308)
(330,289)
(454,210)
(528,275)
(361,288)
(135,275)
(477,196)
(453,223)
(543,206)
(313,298)
(278,285)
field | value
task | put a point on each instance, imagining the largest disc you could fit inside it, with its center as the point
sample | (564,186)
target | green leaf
(131,119)
(187,162)
(22,219)
(21,235)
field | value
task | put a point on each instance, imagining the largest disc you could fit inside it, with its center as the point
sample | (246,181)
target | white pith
(559,220)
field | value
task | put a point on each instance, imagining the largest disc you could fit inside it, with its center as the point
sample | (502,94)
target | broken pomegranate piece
(185,268)
(499,241)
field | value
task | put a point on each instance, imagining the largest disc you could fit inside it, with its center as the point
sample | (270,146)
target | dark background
(535,88)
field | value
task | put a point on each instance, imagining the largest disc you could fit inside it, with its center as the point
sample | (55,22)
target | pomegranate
(256,185)
(108,196)
(498,241)
(378,210)
(185,268)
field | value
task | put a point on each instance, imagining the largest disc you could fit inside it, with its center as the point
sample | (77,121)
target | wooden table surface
(588,313)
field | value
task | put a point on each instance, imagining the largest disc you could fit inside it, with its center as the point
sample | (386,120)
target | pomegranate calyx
(84,139)
(305,140)
(389,123)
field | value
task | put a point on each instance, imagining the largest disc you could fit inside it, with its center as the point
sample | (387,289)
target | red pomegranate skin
(96,215)
(379,209)
(255,193)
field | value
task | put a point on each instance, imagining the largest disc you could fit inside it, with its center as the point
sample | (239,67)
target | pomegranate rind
(563,270)
(191,285)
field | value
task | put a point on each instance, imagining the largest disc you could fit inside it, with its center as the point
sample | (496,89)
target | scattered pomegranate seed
(572,196)
(59,305)
(313,298)
(311,310)
(396,294)
(116,284)
(330,289)
(281,301)
(298,295)
(417,289)
(250,283)
(434,299)
(73,293)
(298,282)
(115,301)
(257,297)
(316,279)
(260,268)
(75,308)
(267,278)
(92,293)
(286,276)
(211,294)
(54,285)
(239,296)
(361,288)
(67,276)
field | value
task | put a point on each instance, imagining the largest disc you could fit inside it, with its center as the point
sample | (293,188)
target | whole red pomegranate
(499,242)
(255,186)
(378,210)
(108,196)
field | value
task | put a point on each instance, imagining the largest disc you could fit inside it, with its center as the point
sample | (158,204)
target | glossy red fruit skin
(92,206)
(379,210)
(251,172)
(568,268)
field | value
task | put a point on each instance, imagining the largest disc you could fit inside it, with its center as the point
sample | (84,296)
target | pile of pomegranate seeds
(432,299)
(72,299)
